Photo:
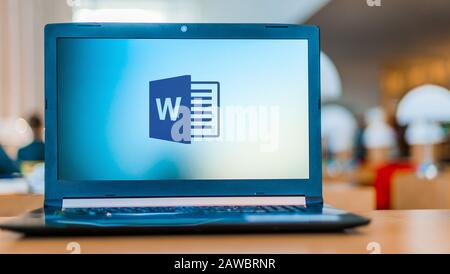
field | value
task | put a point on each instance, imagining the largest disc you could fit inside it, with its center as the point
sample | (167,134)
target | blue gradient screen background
(103,109)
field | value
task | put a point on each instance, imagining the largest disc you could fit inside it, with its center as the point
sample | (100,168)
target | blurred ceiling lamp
(378,134)
(422,109)
(117,15)
(423,133)
(15,132)
(330,80)
(378,138)
(424,103)
(197,11)
(338,128)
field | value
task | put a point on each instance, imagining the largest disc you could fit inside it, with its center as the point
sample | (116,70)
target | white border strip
(185,201)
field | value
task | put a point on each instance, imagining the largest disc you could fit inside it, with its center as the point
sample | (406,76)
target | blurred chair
(410,192)
(7,167)
(350,197)
(383,182)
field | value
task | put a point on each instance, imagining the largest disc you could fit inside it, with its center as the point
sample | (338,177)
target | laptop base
(53,223)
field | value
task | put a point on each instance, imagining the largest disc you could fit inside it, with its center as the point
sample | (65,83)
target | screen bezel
(56,190)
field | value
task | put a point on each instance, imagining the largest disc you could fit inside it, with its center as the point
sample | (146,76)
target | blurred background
(385,88)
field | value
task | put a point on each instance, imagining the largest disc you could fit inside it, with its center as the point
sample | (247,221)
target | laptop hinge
(185,201)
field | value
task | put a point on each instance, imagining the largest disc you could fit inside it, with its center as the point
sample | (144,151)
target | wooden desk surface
(13,205)
(417,231)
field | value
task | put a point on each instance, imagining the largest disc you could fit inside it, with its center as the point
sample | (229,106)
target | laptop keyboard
(106,211)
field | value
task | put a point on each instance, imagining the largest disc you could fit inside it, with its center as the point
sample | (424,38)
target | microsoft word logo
(373,3)
(183,111)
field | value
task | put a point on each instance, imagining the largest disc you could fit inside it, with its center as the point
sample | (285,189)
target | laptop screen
(182,109)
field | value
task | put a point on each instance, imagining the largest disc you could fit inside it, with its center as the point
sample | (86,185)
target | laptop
(182,128)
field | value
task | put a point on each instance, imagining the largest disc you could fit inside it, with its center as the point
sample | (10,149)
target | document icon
(182,110)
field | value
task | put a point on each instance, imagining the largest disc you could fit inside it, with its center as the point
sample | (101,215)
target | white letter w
(173,110)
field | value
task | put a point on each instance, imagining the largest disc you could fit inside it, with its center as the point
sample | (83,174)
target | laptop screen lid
(172,110)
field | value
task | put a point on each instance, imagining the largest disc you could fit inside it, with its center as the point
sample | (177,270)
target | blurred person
(35,151)
(7,166)
(360,149)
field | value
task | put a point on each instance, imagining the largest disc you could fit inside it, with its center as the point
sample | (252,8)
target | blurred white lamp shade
(117,15)
(378,134)
(424,103)
(424,133)
(338,128)
(15,132)
(330,82)
(375,114)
